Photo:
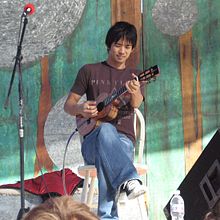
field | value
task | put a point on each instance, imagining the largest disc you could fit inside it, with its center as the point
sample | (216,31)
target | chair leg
(142,207)
(91,191)
(85,188)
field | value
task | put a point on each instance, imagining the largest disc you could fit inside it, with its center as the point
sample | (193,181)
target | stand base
(22,212)
(11,202)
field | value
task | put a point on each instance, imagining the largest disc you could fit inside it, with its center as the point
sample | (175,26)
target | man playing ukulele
(110,145)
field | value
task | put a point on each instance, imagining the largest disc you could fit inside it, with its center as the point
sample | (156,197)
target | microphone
(29,9)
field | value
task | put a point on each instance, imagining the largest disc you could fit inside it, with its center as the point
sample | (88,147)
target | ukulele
(106,111)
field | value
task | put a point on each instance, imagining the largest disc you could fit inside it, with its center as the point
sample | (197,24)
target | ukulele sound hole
(100,106)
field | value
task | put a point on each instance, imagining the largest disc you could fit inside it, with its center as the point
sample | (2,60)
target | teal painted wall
(84,45)
(162,108)
(163,104)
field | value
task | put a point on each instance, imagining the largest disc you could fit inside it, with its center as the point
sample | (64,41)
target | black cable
(64,158)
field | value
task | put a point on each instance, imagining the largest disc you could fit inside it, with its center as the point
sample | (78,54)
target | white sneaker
(133,189)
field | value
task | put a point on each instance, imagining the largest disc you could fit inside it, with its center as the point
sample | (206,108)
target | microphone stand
(18,59)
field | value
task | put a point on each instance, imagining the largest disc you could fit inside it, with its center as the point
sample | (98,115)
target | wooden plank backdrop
(182,107)
(130,11)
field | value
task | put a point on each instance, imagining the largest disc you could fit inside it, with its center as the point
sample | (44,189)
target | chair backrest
(141,133)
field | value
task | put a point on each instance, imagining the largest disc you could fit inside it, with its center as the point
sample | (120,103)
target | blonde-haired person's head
(60,208)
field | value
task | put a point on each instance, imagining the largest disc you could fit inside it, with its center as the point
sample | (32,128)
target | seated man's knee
(107,131)
(106,127)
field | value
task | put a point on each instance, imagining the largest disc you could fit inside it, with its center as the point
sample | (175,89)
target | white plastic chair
(90,175)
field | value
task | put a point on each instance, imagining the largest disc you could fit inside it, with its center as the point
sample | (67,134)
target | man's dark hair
(124,30)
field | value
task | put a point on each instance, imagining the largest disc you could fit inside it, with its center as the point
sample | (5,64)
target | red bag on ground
(50,183)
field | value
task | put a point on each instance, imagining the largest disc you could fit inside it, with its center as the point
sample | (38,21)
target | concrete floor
(10,205)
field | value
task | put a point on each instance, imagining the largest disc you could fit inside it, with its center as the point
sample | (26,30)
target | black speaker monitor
(200,188)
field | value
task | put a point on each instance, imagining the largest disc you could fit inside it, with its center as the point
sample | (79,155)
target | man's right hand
(88,109)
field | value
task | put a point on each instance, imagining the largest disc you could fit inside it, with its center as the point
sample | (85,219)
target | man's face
(120,52)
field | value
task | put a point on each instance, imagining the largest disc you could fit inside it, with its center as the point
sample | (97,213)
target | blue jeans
(112,154)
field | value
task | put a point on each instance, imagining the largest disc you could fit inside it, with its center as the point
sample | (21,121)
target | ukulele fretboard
(114,95)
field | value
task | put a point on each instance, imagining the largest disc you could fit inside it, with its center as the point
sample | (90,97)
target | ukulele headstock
(150,74)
